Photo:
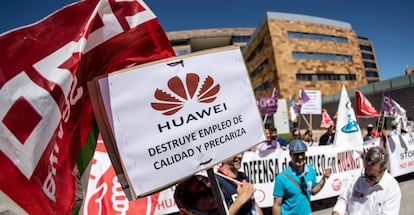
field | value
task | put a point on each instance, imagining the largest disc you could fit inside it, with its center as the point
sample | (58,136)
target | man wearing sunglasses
(374,192)
(294,186)
(194,196)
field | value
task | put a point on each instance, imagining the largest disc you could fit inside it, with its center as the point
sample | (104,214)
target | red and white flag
(326,121)
(104,194)
(45,114)
(363,107)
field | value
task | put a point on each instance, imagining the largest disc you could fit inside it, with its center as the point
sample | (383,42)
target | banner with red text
(45,112)
(262,171)
(104,194)
(401,150)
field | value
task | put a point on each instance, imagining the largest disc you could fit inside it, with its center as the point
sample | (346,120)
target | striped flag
(104,194)
(326,121)
(363,107)
(47,124)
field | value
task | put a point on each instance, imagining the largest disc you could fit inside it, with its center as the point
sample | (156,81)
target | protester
(328,137)
(374,192)
(296,183)
(267,147)
(281,142)
(410,124)
(296,134)
(272,142)
(381,133)
(308,138)
(237,190)
(394,129)
(195,196)
(370,134)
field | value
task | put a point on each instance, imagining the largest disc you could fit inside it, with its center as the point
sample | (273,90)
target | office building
(290,52)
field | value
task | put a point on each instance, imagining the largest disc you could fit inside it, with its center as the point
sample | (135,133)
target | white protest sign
(314,105)
(262,171)
(178,116)
(401,151)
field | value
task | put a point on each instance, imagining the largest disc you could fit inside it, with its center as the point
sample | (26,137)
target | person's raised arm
(245,192)
(327,172)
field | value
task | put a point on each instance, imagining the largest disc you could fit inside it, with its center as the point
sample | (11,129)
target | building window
(311,36)
(368,56)
(320,56)
(240,39)
(259,69)
(182,52)
(371,74)
(370,65)
(255,52)
(365,48)
(180,42)
(325,77)
(266,85)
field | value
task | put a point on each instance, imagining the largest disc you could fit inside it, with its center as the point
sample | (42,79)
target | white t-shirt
(360,198)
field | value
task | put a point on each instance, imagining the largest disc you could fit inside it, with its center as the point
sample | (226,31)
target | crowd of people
(375,191)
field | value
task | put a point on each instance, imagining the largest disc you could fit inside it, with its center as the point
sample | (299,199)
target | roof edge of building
(307,18)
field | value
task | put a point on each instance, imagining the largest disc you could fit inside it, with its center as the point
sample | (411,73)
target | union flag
(46,116)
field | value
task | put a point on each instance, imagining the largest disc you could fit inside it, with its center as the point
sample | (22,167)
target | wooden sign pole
(218,195)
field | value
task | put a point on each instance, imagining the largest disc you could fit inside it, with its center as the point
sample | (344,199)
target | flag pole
(265,119)
(218,194)
(310,118)
(306,121)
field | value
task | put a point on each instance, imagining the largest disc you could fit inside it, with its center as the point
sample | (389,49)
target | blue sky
(388,24)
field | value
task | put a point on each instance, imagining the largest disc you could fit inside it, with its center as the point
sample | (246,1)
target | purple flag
(386,104)
(303,96)
(268,105)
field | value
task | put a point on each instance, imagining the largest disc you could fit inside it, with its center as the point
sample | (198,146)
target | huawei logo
(180,93)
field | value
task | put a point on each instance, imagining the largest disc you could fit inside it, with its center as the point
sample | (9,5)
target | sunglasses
(370,177)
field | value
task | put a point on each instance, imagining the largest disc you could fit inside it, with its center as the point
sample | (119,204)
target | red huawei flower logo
(170,104)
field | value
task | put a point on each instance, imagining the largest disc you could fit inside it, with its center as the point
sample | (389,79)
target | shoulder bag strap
(296,184)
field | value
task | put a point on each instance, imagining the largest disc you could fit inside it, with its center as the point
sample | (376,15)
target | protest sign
(313,104)
(401,151)
(176,117)
(262,171)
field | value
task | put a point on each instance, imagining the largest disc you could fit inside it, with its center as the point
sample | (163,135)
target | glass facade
(325,77)
(259,69)
(370,65)
(311,36)
(320,56)
(365,48)
(266,85)
(368,56)
(255,52)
